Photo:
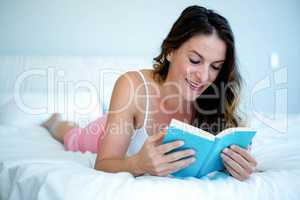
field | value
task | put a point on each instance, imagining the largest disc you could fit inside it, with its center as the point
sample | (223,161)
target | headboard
(79,87)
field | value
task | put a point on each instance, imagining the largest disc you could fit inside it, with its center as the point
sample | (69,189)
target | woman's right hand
(151,158)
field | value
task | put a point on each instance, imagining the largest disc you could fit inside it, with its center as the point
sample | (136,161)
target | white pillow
(34,108)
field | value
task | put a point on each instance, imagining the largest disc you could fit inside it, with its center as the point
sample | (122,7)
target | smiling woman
(195,79)
(210,47)
(196,60)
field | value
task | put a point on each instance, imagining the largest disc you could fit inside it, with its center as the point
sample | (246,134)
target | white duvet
(35,166)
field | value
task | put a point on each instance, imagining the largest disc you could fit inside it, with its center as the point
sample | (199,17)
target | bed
(35,166)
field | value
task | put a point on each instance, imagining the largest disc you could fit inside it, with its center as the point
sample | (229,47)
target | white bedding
(35,166)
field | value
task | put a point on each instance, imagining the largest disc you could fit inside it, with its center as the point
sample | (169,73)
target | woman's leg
(57,127)
(75,138)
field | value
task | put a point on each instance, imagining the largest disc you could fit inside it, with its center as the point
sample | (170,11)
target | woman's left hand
(238,162)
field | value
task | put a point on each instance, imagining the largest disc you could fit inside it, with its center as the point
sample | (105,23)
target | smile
(193,86)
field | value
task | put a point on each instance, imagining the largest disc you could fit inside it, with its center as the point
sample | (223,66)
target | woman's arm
(119,128)
(152,156)
(127,164)
(111,156)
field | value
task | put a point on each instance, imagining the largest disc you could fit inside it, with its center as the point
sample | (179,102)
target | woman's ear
(169,56)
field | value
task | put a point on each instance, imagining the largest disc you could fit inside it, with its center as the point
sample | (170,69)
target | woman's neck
(172,102)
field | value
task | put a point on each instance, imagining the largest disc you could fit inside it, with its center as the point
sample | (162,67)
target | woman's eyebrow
(193,51)
(219,61)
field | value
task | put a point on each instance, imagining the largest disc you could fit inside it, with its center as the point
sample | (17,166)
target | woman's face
(196,64)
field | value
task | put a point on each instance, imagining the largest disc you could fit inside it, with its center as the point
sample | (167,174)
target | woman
(195,79)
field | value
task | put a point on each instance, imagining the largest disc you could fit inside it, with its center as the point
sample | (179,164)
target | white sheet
(35,166)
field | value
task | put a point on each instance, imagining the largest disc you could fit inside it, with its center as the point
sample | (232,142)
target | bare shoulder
(120,120)
(127,89)
(123,93)
(148,74)
(135,76)
(133,79)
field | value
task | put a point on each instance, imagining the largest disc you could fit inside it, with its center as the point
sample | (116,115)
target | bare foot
(51,121)
(57,127)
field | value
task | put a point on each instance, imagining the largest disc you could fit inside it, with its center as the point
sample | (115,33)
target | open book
(207,146)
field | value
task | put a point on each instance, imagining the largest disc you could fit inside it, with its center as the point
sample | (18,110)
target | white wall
(137,28)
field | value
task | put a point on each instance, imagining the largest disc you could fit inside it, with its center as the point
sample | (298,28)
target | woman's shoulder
(130,84)
(128,92)
(134,78)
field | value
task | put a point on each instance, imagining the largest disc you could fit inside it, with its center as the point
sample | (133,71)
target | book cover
(206,145)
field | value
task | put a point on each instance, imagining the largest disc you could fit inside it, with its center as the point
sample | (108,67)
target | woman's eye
(215,67)
(194,61)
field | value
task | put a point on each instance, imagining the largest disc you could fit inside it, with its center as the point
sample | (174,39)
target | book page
(191,129)
(232,130)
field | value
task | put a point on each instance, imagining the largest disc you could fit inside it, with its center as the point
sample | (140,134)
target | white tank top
(140,135)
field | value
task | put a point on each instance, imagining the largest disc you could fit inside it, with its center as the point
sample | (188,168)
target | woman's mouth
(193,85)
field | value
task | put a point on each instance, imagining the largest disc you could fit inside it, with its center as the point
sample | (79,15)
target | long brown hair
(212,114)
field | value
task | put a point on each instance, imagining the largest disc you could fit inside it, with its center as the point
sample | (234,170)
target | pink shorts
(86,139)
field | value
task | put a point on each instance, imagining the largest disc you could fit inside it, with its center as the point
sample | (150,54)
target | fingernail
(232,146)
(225,150)
(181,143)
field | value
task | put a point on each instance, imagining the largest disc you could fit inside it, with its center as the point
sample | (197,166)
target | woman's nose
(203,74)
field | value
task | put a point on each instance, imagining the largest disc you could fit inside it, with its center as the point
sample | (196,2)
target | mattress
(35,166)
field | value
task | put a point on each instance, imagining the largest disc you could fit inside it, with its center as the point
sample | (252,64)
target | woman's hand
(238,162)
(151,158)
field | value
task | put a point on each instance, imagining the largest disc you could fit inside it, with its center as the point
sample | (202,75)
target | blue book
(207,146)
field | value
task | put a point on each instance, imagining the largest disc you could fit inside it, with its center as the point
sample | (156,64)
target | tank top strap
(147,98)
